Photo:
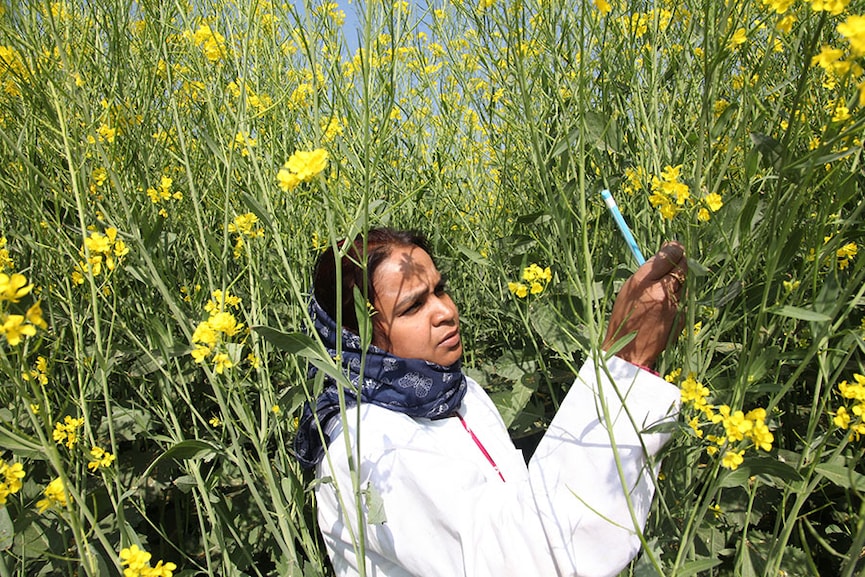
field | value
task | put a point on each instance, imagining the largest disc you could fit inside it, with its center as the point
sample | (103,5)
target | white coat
(574,510)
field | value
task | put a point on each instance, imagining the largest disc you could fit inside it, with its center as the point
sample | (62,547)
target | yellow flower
(34,316)
(694,423)
(14,329)
(761,436)
(99,457)
(14,287)
(732,459)
(67,431)
(307,164)
(205,333)
(537,279)
(713,201)
(212,43)
(5,260)
(245,142)
(833,7)
(55,494)
(603,7)
(778,6)
(200,353)
(215,421)
(245,224)
(225,323)
(739,37)
(737,426)
(842,418)
(518,289)
(137,562)
(287,180)
(10,479)
(221,361)
(845,253)
(218,301)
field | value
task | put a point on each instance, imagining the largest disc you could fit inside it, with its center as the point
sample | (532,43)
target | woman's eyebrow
(413,296)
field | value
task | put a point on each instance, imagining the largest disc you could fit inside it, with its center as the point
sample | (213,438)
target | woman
(458,498)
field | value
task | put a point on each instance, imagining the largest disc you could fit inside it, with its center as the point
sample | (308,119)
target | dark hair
(380,242)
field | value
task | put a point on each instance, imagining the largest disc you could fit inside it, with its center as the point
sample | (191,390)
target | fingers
(669,260)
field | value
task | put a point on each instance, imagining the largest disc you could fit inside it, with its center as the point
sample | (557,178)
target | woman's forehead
(404,267)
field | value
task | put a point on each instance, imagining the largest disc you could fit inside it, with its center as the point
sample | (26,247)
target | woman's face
(415,318)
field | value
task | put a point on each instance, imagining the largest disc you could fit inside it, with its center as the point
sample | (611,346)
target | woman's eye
(414,306)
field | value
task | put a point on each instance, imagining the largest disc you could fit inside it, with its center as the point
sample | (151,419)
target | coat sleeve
(593,473)
(449,514)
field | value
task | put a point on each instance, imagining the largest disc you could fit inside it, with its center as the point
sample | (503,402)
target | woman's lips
(451,340)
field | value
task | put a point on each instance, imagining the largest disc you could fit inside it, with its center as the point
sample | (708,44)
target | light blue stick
(623,226)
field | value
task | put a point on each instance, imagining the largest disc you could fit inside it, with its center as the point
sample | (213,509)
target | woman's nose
(445,310)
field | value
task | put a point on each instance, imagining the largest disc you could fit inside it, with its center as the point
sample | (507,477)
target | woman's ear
(379,334)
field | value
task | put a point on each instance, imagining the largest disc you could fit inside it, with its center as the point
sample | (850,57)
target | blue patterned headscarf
(415,387)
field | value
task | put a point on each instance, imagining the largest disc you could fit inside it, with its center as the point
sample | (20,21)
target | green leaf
(771,150)
(257,209)
(842,476)
(296,343)
(697,566)
(555,330)
(473,256)
(7,530)
(511,403)
(375,514)
(723,295)
(185,451)
(128,423)
(21,445)
(800,313)
(760,466)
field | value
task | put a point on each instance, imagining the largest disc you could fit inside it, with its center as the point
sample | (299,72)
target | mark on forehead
(409,265)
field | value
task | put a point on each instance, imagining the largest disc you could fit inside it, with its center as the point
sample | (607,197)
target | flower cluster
(843,419)
(15,327)
(670,195)
(536,280)
(39,372)
(845,254)
(98,251)
(244,225)
(137,563)
(10,479)
(260,102)
(212,43)
(55,495)
(99,457)
(211,333)
(841,256)
(163,194)
(67,431)
(12,70)
(738,427)
(244,142)
(302,166)
(634,179)
(5,259)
